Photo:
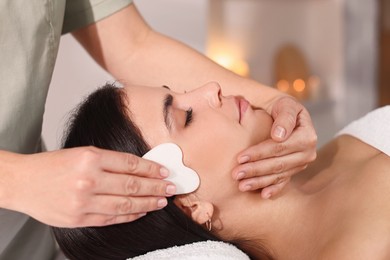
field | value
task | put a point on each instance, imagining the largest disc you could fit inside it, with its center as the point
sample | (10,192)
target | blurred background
(333,55)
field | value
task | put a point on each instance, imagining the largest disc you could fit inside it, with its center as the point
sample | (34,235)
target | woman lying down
(338,208)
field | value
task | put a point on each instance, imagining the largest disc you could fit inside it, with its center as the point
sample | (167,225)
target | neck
(281,224)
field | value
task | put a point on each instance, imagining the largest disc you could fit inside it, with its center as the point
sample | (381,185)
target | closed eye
(189,117)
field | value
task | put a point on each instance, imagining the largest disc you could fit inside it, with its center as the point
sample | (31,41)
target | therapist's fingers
(271,184)
(274,189)
(270,157)
(129,185)
(270,149)
(269,166)
(303,140)
(118,162)
(66,182)
(261,182)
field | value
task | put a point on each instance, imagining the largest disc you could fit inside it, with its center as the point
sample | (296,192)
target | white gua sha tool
(171,156)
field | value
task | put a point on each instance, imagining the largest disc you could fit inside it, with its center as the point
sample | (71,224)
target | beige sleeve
(80,13)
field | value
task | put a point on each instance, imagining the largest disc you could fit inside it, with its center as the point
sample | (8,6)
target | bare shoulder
(351,148)
(342,159)
(363,227)
(377,173)
(351,248)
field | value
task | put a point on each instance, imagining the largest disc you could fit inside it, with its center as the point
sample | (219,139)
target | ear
(199,210)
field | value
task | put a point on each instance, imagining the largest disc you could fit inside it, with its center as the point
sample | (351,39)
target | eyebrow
(168,100)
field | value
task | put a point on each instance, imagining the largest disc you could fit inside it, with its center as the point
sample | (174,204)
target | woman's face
(211,129)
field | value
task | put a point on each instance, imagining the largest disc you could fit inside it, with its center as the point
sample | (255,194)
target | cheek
(153,129)
(155,137)
(215,146)
(260,128)
(214,168)
(213,155)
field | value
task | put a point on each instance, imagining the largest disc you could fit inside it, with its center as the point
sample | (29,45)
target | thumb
(284,113)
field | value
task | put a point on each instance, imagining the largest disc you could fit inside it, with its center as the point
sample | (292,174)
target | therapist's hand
(270,164)
(87,186)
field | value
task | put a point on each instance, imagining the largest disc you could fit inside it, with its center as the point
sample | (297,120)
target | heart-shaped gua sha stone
(171,156)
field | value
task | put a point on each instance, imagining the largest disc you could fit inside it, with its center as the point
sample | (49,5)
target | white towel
(205,250)
(373,129)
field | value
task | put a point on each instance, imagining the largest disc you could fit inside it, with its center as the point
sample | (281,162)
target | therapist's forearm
(132,52)
(182,68)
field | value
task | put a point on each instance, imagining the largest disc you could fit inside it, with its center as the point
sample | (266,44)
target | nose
(212,92)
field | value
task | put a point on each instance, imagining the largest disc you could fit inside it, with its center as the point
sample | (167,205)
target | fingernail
(140,215)
(164,172)
(267,196)
(244,159)
(280,132)
(170,190)
(162,203)
(240,175)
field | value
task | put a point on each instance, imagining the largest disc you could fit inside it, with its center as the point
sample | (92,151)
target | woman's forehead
(145,98)
(146,110)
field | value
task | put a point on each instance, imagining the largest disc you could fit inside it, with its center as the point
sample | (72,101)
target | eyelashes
(189,117)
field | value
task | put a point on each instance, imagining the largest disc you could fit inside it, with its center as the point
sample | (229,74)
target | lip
(242,105)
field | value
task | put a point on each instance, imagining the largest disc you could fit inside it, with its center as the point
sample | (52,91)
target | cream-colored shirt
(30,32)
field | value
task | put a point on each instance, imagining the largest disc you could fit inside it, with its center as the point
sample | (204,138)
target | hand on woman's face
(210,128)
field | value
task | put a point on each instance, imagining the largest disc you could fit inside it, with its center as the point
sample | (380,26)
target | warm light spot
(224,61)
(238,66)
(241,68)
(299,85)
(283,85)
